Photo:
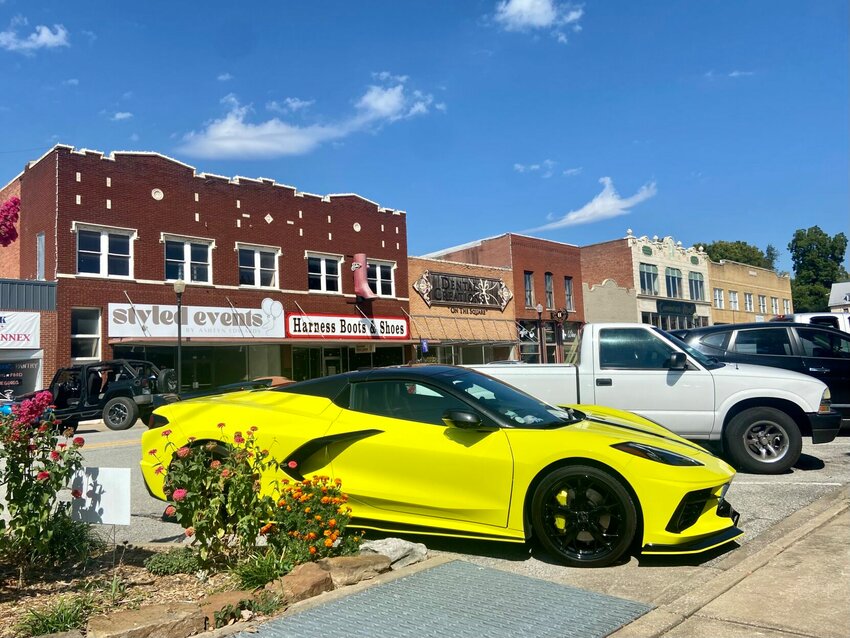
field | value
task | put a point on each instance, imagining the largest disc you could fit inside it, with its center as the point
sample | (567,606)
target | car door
(826,355)
(632,373)
(414,463)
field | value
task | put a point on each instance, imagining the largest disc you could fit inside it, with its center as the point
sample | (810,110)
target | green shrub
(174,561)
(64,614)
(262,567)
(264,603)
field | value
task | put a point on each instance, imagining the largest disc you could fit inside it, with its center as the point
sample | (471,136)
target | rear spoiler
(164,399)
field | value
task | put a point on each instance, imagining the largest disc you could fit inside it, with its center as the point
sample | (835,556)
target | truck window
(632,348)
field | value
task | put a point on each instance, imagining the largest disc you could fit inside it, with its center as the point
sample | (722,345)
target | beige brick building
(741,293)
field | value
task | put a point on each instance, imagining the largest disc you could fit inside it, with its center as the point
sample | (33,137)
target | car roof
(756,324)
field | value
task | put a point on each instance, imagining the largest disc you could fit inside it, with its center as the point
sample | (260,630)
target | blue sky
(570,121)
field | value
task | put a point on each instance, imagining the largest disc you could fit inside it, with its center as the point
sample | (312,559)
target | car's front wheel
(120,413)
(584,516)
(763,441)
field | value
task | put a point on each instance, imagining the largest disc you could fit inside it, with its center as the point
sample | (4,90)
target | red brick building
(547,288)
(270,271)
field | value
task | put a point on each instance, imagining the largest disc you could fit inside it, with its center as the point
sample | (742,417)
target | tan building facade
(461,313)
(742,293)
(651,280)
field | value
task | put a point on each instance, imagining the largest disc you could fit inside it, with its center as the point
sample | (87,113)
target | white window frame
(786,305)
(257,249)
(733,300)
(98,336)
(103,254)
(762,304)
(39,256)
(718,299)
(774,305)
(648,274)
(187,241)
(748,301)
(340,259)
(381,263)
(673,283)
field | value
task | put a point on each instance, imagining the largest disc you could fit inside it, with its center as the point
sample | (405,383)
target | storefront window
(85,334)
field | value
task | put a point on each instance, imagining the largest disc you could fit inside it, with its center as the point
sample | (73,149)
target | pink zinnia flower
(42,476)
(183,452)
(215,464)
(166,433)
(61,446)
(78,441)
(159,470)
(254,428)
(292,464)
(179,494)
(237,438)
(54,455)
(190,531)
(170,510)
(152,452)
(76,493)
(221,425)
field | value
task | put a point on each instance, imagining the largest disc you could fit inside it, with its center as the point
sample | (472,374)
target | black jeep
(118,391)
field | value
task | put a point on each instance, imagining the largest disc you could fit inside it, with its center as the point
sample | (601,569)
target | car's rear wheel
(763,441)
(584,516)
(120,413)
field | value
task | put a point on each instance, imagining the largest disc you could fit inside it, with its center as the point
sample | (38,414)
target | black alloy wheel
(584,516)
(120,413)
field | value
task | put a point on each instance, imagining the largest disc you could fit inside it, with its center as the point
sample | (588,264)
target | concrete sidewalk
(795,583)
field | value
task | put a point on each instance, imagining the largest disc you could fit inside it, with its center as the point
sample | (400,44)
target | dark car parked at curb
(119,391)
(818,351)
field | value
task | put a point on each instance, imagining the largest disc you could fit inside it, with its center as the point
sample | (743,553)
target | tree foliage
(818,263)
(742,252)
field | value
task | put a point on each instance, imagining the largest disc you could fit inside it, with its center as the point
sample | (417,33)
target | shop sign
(155,320)
(18,377)
(341,327)
(669,307)
(20,330)
(445,289)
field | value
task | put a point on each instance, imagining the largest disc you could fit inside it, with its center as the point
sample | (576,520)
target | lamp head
(179,286)
(539,308)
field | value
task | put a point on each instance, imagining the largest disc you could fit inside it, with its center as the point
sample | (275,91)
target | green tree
(817,259)
(742,252)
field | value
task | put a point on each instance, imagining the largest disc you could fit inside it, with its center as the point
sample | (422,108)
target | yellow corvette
(450,451)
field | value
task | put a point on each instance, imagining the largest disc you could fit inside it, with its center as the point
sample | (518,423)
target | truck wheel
(763,441)
(166,382)
(120,413)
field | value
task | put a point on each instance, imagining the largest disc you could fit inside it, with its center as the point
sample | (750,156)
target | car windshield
(708,362)
(516,406)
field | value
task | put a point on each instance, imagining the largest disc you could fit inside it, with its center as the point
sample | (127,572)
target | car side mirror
(677,361)
(462,419)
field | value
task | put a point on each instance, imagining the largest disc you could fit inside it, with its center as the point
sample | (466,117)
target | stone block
(305,581)
(217,602)
(171,620)
(347,570)
(400,552)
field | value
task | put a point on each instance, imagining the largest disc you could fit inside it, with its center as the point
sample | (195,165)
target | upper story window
(381,277)
(697,286)
(550,290)
(104,251)
(188,258)
(568,291)
(762,304)
(774,305)
(258,265)
(673,279)
(648,279)
(733,300)
(748,301)
(529,289)
(718,298)
(323,272)
(39,256)
(786,306)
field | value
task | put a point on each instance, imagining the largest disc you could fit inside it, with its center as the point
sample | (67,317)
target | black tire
(762,441)
(583,516)
(120,413)
(166,381)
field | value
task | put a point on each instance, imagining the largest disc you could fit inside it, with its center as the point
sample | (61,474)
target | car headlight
(655,454)
(825,402)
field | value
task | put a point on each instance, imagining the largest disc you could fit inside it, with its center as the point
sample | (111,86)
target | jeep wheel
(166,382)
(120,413)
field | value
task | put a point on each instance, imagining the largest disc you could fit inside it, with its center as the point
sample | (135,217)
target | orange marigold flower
(327,532)
(325,500)
(312,549)
(312,536)
(190,531)
(338,481)
(307,510)
(318,517)
(265,529)
(329,542)
(332,522)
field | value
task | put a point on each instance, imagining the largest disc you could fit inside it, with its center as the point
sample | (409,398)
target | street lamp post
(179,288)
(540,346)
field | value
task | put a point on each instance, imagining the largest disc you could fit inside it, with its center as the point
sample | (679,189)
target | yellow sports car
(453,452)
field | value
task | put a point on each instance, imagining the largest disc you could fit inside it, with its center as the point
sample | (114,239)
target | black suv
(118,391)
(818,351)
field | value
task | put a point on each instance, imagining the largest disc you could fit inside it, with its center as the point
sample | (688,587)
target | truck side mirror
(677,361)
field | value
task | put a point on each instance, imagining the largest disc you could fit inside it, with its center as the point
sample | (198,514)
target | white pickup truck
(758,413)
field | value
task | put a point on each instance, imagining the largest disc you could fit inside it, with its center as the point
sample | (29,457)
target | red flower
(191,439)
(54,455)
(221,425)
(183,452)
(215,464)
(179,494)
(225,472)
(254,428)
(42,476)
(166,433)
(292,464)
(76,493)
(237,438)
(159,470)
(190,531)
(61,446)
(78,441)
(170,510)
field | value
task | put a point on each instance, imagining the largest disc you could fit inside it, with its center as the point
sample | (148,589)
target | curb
(738,566)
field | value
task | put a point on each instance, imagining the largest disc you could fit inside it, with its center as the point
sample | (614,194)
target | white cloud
(546,168)
(42,38)
(386,76)
(570,172)
(441,106)
(224,77)
(121,115)
(289,105)
(233,136)
(530,15)
(71,82)
(712,75)
(605,205)
(741,74)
